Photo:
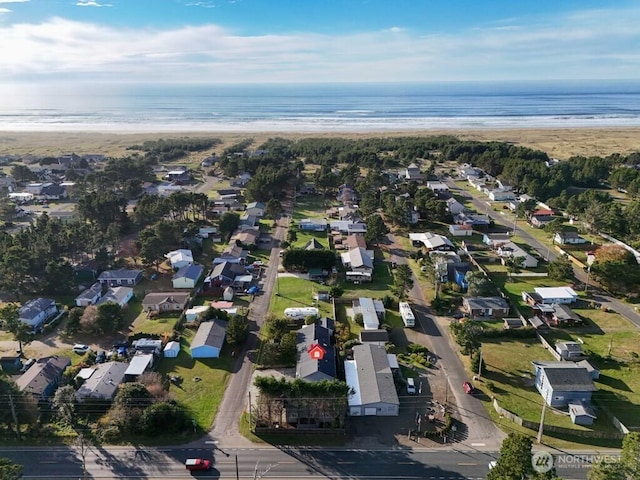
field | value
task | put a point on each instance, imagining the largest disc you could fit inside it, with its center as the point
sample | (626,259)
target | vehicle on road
(468,388)
(408,318)
(196,464)
(101,357)
(80,348)
(411,386)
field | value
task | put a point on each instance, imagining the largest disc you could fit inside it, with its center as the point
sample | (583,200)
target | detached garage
(370,378)
(209,339)
(171,350)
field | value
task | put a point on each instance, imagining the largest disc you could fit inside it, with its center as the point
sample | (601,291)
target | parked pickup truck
(197,464)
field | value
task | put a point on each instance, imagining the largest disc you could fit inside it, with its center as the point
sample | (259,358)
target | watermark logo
(542,462)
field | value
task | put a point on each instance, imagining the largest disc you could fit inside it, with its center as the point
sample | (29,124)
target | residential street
(482,206)
(432,331)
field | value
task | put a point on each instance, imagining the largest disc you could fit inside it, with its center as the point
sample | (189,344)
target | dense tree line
(166,150)
(301,259)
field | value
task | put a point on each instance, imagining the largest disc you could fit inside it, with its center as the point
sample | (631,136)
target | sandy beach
(559,143)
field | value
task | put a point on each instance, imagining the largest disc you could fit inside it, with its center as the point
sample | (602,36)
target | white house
(431,241)
(460,230)
(192,314)
(512,250)
(89,296)
(37,311)
(568,238)
(120,295)
(560,295)
(372,312)
(438,187)
(179,258)
(499,195)
(454,206)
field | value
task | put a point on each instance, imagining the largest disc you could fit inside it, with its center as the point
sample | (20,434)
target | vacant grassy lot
(203,381)
(310,206)
(297,292)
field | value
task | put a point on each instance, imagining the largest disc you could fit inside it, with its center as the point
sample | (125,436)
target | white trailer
(407,315)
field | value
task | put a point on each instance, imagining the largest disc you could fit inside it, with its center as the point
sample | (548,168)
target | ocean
(318,108)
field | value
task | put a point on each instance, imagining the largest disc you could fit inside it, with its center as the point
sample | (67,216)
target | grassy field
(310,206)
(204,381)
(157,326)
(297,292)
(380,285)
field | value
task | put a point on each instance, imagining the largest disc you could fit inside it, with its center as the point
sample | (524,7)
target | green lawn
(306,236)
(297,292)
(380,285)
(157,326)
(203,381)
(310,206)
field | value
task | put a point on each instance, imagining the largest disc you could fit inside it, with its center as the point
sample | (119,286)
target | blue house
(562,383)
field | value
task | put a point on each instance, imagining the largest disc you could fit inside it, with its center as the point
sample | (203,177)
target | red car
(197,464)
(468,388)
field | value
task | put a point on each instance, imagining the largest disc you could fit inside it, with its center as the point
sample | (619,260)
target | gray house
(494,307)
(561,383)
(316,356)
(43,377)
(371,380)
(116,278)
(103,382)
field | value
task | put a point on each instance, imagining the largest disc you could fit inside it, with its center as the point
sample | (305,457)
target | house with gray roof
(494,307)
(187,276)
(90,296)
(103,382)
(121,277)
(36,312)
(209,339)
(120,295)
(561,383)
(165,301)
(370,378)
(43,377)
(315,353)
(358,260)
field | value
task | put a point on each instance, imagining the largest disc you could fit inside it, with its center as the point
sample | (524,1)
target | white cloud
(13,1)
(601,44)
(4,10)
(91,3)
(200,4)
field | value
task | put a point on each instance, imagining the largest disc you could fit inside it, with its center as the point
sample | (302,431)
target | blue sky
(257,41)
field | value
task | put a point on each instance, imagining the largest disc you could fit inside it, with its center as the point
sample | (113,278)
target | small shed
(171,350)
(192,314)
(139,364)
(228,294)
(581,413)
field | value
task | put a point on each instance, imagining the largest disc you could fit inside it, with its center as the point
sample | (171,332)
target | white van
(411,386)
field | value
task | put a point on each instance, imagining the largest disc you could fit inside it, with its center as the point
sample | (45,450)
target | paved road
(481,430)
(235,400)
(61,463)
(546,252)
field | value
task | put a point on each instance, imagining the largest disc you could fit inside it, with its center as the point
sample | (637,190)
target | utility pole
(480,366)
(14,415)
(586,285)
(540,429)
